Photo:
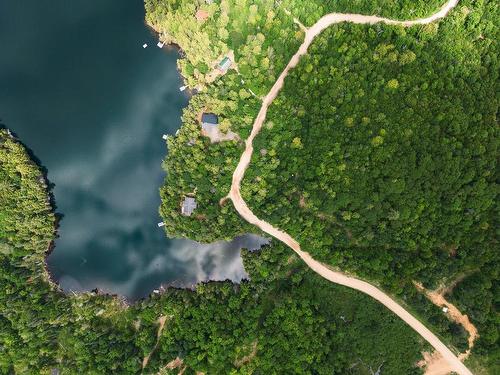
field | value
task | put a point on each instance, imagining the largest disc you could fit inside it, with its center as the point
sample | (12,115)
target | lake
(81,92)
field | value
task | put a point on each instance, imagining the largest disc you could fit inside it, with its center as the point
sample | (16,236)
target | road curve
(318,267)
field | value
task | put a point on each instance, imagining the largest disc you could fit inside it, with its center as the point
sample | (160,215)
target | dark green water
(77,87)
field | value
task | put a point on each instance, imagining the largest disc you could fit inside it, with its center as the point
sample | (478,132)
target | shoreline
(173,46)
(48,275)
(48,188)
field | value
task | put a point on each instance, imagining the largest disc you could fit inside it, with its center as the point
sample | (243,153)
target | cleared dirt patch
(435,364)
(437,298)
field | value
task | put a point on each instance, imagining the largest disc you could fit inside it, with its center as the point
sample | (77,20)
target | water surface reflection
(78,88)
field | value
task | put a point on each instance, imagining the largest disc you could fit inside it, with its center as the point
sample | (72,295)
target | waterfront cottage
(224,64)
(209,121)
(188,206)
(210,128)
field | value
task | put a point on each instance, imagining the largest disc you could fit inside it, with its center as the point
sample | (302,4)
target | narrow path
(295,20)
(322,269)
(161,324)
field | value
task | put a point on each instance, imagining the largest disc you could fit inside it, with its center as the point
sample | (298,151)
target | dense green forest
(386,164)
(379,156)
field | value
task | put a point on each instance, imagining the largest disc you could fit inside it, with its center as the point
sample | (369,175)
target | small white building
(445,309)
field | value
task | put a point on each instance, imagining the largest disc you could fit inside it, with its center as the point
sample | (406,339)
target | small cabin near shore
(209,122)
(210,128)
(224,64)
(188,206)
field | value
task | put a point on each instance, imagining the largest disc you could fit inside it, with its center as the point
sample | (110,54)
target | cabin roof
(188,206)
(209,119)
(225,63)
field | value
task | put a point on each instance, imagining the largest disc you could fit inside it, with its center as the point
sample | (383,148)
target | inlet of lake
(78,88)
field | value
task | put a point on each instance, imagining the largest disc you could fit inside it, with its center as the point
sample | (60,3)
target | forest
(387,166)
(284,319)
(379,155)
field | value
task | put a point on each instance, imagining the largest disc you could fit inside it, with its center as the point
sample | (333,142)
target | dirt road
(322,269)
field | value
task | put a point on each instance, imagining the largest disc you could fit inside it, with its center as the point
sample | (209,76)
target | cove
(79,90)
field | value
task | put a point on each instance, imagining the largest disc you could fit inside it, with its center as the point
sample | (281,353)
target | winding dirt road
(320,268)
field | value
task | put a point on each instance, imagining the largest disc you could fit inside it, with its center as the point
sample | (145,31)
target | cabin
(188,206)
(224,64)
(201,15)
(210,128)
(209,122)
